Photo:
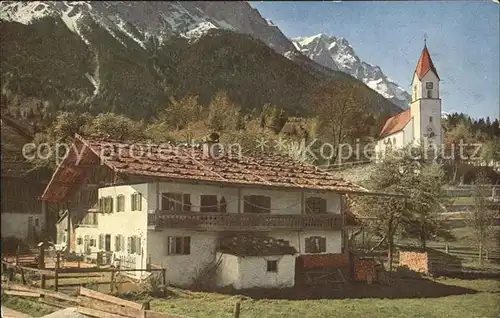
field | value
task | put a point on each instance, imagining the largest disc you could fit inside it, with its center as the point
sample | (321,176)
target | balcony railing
(243,221)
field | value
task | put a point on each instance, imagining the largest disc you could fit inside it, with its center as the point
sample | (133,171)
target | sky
(462,38)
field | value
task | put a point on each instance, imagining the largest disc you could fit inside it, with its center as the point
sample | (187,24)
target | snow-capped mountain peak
(338,54)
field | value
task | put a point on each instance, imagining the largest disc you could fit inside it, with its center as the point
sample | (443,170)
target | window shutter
(111,201)
(167,246)
(138,245)
(122,242)
(138,203)
(309,243)
(132,202)
(187,202)
(101,205)
(187,245)
(222,205)
(323,244)
(129,245)
(101,241)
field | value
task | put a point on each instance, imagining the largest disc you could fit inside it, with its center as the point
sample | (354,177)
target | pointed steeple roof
(425,64)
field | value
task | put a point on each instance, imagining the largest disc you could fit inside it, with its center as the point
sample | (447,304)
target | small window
(92,242)
(316,244)
(429,93)
(430,119)
(179,245)
(79,241)
(120,203)
(429,85)
(37,222)
(272,266)
(106,204)
(134,245)
(315,205)
(136,202)
(209,203)
(256,204)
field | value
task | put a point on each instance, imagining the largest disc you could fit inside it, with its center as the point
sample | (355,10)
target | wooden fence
(88,302)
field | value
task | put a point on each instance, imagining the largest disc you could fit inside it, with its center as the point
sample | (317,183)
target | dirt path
(9,313)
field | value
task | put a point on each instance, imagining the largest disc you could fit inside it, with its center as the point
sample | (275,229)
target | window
(179,245)
(316,244)
(120,203)
(209,203)
(79,241)
(101,242)
(136,202)
(256,204)
(429,93)
(429,85)
(315,205)
(93,242)
(272,266)
(106,205)
(175,202)
(430,119)
(119,243)
(134,245)
(37,222)
(223,205)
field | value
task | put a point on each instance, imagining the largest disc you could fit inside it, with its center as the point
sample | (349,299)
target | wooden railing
(243,221)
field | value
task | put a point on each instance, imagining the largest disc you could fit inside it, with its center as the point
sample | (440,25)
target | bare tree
(481,218)
(339,107)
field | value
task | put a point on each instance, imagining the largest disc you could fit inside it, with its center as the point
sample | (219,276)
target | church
(421,123)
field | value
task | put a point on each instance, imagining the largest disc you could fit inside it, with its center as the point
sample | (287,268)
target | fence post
(112,281)
(56,271)
(236,310)
(41,263)
(164,281)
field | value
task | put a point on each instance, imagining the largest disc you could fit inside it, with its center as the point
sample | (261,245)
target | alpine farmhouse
(250,221)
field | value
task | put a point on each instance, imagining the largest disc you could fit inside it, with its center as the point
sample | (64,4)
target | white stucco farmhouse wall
(182,270)
(127,223)
(251,271)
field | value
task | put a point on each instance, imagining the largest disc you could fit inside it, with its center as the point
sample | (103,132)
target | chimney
(211,147)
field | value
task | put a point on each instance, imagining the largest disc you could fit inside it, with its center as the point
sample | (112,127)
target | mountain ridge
(337,54)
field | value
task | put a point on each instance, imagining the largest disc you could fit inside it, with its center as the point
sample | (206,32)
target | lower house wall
(297,239)
(251,271)
(182,270)
(228,271)
(16,224)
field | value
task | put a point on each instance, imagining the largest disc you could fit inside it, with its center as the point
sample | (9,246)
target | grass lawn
(460,298)
(483,301)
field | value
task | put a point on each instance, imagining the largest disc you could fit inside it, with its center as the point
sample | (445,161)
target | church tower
(425,104)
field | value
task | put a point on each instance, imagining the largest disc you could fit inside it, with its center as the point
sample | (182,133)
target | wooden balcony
(244,221)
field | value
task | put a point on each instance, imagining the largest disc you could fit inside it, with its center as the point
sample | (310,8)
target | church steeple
(425,64)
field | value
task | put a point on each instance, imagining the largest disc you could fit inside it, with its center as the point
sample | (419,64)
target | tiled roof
(425,64)
(183,163)
(254,245)
(396,123)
